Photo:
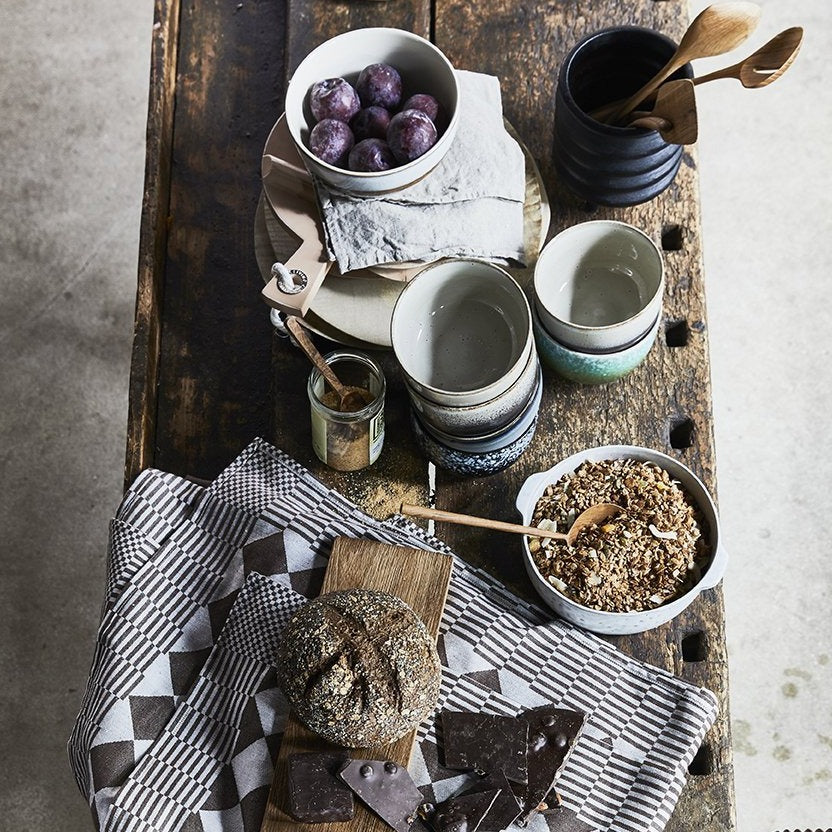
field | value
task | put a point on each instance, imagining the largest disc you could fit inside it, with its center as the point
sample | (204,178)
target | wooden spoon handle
(479,522)
(305,343)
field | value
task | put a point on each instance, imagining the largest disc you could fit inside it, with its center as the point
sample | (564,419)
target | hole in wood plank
(676,333)
(702,763)
(673,238)
(694,647)
(589,207)
(681,434)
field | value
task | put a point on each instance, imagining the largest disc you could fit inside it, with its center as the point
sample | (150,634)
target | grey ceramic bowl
(479,420)
(466,463)
(497,439)
(591,368)
(621,623)
(461,331)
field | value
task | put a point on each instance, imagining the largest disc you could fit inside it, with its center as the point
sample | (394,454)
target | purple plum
(370,123)
(430,107)
(410,135)
(333,98)
(372,155)
(379,85)
(331,141)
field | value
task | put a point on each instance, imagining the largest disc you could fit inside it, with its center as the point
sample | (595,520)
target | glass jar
(347,441)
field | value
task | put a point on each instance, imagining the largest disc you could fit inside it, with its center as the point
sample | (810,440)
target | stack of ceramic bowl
(462,334)
(598,300)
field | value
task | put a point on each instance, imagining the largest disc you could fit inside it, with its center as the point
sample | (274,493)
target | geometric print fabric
(182,717)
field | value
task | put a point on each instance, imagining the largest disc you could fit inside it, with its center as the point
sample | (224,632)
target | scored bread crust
(359,667)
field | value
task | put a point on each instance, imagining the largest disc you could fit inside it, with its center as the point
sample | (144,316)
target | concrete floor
(73,95)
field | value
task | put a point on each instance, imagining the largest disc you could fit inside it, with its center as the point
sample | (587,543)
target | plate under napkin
(469,205)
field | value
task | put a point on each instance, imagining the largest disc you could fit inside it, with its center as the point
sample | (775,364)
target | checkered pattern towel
(182,717)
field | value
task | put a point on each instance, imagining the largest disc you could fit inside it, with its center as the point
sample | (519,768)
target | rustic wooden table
(208,374)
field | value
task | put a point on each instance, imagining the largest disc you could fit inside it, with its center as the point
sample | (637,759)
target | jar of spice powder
(351,440)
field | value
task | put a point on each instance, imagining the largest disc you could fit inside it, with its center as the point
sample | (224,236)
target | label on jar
(376,435)
(319,435)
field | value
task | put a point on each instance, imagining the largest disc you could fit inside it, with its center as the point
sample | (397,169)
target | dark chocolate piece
(316,795)
(387,789)
(486,743)
(562,819)
(504,810)
(464,812)
(552,731)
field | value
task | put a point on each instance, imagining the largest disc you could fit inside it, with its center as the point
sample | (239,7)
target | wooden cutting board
(421,580)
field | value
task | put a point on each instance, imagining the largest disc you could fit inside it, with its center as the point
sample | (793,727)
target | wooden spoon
(674,114)
(715,30)
(350,399)
(764,66)
(594,514)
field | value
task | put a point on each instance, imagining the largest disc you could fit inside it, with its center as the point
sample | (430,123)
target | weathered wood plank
(664,404)
(215,359)
(144,368)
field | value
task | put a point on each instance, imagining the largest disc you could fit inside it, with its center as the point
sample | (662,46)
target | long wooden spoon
(715,30)
(350,399)
(764,66)
(593,515)
(674,114)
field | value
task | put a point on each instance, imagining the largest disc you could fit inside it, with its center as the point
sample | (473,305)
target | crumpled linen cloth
(469,205)
(182,717)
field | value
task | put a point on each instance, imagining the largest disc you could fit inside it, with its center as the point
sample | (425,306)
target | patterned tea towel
(469,205)
(182,718)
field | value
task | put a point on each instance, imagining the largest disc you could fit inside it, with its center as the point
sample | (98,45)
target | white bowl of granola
(642,567)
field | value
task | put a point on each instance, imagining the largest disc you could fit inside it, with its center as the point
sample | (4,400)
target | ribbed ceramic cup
(602,163)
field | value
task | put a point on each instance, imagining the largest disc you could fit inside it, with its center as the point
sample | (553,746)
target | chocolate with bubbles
(486,743)
(387,788)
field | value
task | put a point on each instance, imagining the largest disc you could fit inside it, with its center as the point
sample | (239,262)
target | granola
(651,553)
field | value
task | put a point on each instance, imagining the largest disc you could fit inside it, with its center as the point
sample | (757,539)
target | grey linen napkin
(182,717)
(470,205)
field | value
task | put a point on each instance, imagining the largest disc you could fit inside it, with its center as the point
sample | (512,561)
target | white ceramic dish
(462,332)
(423,69)
(621,623)
(599,285)
(479,420)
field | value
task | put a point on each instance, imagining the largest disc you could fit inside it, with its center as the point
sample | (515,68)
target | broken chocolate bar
(387,789)
(504,810)
(464,812)
(552,732)
(486,743)
(316,795)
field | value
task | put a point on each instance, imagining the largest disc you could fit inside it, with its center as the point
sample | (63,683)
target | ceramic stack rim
(462,333)
(598,288)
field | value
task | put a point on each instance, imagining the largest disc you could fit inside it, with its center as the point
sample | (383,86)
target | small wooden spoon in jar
(596,515)
(350,400)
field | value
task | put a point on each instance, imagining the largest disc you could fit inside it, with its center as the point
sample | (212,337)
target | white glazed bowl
(423,69)
(599,285)
(479,420)
(621,623)
(462,332)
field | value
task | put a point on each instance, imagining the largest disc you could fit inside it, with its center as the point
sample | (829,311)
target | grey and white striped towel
(182,717)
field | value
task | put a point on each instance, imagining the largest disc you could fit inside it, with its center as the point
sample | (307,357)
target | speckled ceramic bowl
(466,463)
(586,367)
(621,623)
(495,440)
(479,420)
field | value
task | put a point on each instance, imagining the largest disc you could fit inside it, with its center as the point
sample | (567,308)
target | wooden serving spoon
(593,515)
(764,66)
(715,30)
(674,114)
(350,400)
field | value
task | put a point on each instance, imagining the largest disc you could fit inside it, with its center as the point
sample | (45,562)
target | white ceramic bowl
(462,332)
(423,69)
(479,420)
(599,285)
(621,623)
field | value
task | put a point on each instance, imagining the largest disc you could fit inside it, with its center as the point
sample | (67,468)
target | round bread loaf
(359,667)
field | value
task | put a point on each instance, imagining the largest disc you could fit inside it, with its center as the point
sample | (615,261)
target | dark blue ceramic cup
(603,164)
